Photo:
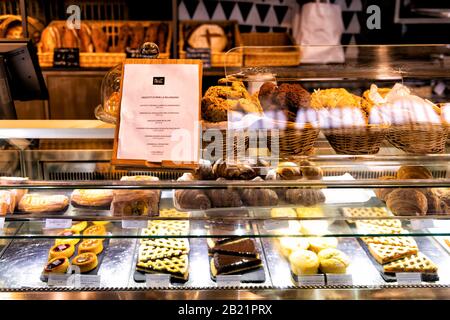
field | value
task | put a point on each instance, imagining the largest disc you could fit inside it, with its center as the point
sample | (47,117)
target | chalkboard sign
(203,54)
(66,57)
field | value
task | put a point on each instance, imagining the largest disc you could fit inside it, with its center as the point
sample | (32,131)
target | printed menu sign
(159,113)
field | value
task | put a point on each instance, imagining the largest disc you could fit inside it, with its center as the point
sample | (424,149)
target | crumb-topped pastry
(85,261)
(92,197)
(95,230)
(80,226)
(62,250)
(91,245)
(57,265)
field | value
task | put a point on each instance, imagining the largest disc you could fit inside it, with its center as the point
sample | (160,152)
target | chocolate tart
(85,261)
(91,245)
(57,265)
(229,264)
(68,233)
(62,250)
(242,247)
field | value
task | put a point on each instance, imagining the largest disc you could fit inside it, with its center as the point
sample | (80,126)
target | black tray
(390,277)
(250,276)
(139,276)
(100,256)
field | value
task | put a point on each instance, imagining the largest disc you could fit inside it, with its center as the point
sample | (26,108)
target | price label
(157,280)
(86,280)
(409,278)
(2,223)
(134,224)
(311,280)
(272,225)
(203,54)
(232,280)
(60,280)
(422,224)
(340,279)
(66,57)
(58,223)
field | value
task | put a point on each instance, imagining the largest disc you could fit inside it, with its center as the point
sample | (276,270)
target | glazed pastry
(259,197)
(62,250)
(57,265)
(95,230)
(37,203)
(7,202)
(99,39)
(320,243)
(382,193)
(413,172)
(208,36)
(68,233)
(305,197)
(407,202)
(222,169)
(223,198)
(85,261)
(189,199)
(230,264)
(80,226)
(91,245)
(304,262)
(285,171)
(92,197)
(288,245)
(333,261)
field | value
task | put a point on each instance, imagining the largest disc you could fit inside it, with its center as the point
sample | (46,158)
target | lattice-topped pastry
(385,253)
(414,263)
(391,223)
(166,227)
(373,212)
(392,241)
(176,266)
(173,243)
(173,213)
(153,253)
(374,229)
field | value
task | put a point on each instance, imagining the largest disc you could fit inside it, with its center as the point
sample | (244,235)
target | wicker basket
(419,138)
(222,127)
(218,59)
(107,59)
(283,52)
(357,140)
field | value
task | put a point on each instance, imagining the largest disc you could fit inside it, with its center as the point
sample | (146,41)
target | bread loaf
(99,39)
(382,193)
(221,169)
(407,202)
(413,172)
(221,198)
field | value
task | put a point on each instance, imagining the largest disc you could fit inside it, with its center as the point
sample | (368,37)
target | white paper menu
(159,113)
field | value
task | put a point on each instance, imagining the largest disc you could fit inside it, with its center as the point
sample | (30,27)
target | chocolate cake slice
(228,264)
(243,247)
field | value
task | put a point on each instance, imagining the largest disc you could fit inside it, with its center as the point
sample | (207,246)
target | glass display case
(326,204)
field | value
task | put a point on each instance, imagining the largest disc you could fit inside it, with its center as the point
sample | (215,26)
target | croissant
(407,202)
(305,197)
(310,171)
(192,199)
(413,172)
(221,169)
(221,198)
(382,193)
(259,197)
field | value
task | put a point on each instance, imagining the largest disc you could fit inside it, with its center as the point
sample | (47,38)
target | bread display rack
(111,29)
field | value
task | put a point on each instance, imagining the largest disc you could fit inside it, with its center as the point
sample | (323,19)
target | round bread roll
(407,202)
(209,36)
(304,262)
(333,261)
(382,193)
(413,172)
(285,171)
(289,245)
(320,243)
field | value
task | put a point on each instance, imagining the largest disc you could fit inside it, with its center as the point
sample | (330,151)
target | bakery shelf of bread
(218,36)
(103,43)
(270,49)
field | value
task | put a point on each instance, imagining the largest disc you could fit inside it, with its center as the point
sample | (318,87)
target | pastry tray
(100,257)
(425,246)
